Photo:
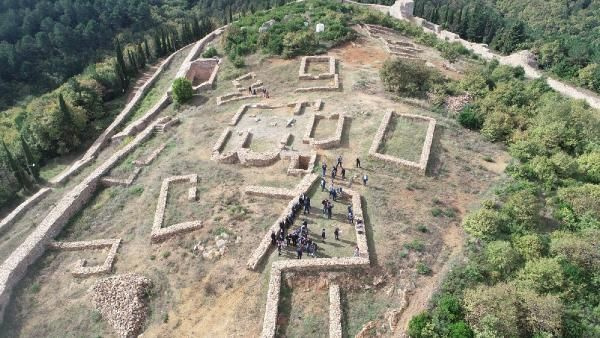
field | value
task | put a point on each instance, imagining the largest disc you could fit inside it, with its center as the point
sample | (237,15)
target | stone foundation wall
(420,166)
(264,246)
(298,162)
(291,265)
(334,87)
(231,97)
(330,142)
(80,269)
(153,155)
(141,123)
(124,182)
(159,233)
(335,312)
(303,73)
(29,203)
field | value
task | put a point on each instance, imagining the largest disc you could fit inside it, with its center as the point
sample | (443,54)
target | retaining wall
(29,203)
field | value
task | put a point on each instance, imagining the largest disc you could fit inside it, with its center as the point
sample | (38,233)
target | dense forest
(565,35)
(87,53)
(532,257)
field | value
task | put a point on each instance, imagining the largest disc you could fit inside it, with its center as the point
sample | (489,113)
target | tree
(32,166)
(589,166)
(16,169)
(147,50)
(141,57)
(542,275)
(417,324)
(493,310)
(523,208)
(182,90)
(530,246)
(501,258)
(406,78)
(484,224)
(121,69)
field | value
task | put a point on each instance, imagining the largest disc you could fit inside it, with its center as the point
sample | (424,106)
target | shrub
(210,52)
(484,224)
(417,324)
(423,269)
(469,118)
(406,77)
(182,90)
(542,275)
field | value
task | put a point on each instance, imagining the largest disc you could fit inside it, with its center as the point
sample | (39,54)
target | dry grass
(196,297)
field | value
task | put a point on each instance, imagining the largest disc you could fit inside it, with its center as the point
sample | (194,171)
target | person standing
(323,234)
(356,251)
(365,179)
(343,173)
(299,251)
(273,237)
(339,161)
(336,233)
(358,162)
(306,205)
(323,182)
(324,167)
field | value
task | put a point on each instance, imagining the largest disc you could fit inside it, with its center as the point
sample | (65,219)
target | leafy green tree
(543,313)
(493,310)
(182,90)
(542,275)
(589,166)
(485,224)
(417,325)
(523,208)
(501,258)
(407,78)
(16,169)
(529,246)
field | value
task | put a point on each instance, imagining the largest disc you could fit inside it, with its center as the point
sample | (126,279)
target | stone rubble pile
(122,301)
(455,104)
(213,252)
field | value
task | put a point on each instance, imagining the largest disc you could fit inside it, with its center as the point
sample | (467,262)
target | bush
(210,52)
(237,61)
(423,269)
(182,90)
(484,224)
(417,324)
(469,118)
(406,77)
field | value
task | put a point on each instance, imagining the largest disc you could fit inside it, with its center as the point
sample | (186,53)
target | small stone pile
(213,252)
(121,301)
(454,104)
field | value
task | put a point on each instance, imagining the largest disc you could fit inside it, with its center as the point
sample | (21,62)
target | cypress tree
(122,69)
(141,57)
(157,45)
(196,28)
(230,14)
(134,66)
(33,168)
(147,50)
(16,169)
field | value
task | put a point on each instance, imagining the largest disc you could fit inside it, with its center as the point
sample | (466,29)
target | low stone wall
(153,155)
(80,269)
(317,264)
(15,266)
(330,142)
(303,73)
(159,233)
(29,203)
(257,159)
(334,87)
(124,182)
(279,193)
(335,312)
(263,248)
(204,70)
(141,123)
(231,97)
(296,167)
(420,166)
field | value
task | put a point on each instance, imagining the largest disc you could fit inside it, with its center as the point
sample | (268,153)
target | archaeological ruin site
(289,197)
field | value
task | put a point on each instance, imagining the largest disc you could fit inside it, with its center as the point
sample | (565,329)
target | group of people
(299,238)
(262,90)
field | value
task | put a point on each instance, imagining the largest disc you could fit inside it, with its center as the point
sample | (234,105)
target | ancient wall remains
(335,312)
(123,182)
(303,74)
(106,136)
(203,73)
(29,203)
(300,164)
(160,233)
(420,166)
(264,246)
(142,162)
(327,143)
(141,123)
(80,269)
